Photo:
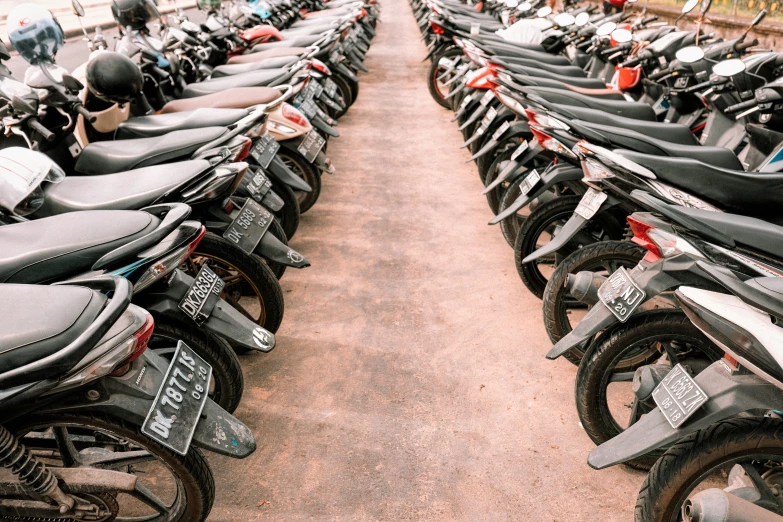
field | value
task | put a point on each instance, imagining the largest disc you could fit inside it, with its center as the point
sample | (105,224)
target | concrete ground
(409,382)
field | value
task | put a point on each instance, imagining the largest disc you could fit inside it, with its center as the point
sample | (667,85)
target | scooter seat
(755,233)
(278,52)
(747,193)
(53,248)
(634,110)
(241,68)
(299,41)
(520,72)
(38,321)
(239,98)
(630,139)
(251,79)
(160,124)
(130,190)
(522,52)
(511,62)
(313,29)
(106,157)
(672,132)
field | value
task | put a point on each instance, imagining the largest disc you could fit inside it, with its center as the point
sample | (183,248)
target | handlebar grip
(697,87)
(632,62)
(741,106)
(649,19)
(745,45)
(84,112)
(40,129)
(660,74)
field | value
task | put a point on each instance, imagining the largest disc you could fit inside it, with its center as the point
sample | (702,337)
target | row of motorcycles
(635,169)
(146,202)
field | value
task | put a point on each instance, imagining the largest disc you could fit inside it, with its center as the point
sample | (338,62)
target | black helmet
(133,13)
(114,77)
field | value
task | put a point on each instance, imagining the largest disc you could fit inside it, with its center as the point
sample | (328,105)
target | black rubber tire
(604,357)
(560,208)
(483,163)
(678,471)
(226,369)
(288,216)
(540,163)
(277,268)
(344,90)
(556,322)
(435,70)
(255,273)
(511,225)
(305,170)
(192,469)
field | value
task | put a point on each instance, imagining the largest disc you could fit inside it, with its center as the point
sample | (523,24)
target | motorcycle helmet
(35,33)
(113,77)
(208,5)
(133,13)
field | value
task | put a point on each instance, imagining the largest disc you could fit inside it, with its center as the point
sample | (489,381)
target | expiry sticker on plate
(590,203)
(474,29)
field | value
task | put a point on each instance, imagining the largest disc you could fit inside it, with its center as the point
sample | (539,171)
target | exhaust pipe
(583,286)
(716,505)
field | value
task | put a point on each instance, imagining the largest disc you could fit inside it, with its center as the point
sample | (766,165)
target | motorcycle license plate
(330,87)
(259,186)
(621,294)
(336,57)
(678,396)
(311,145)
(530,182)
(249,226)
(264,150)
(202,295)
(519,150)
(488,118)
(176,410)
(465,101)
(487,97)
(308,108)
(590,203)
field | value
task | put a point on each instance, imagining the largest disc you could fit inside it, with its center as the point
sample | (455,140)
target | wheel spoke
(636,413)
(233,302)
(118,460)
(143,494)
(760,484)
(68,452)
(233,279)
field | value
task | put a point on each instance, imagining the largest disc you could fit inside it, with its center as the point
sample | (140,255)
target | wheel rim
(239,290)
(440,85)
(66,444)
(299,170)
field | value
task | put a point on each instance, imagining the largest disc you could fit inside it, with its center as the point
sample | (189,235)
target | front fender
(559,174)
(729,395)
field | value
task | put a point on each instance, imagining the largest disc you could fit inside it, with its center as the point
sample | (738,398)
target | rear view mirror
(729,68)
(78,10)
(544,11)
(71,83)
(582,19)
(689,6)
(24,105)
(4,54)
(759,17)
(606,29)
(524,7)
(622,35)
(690,54)
(564,19)
(705,6)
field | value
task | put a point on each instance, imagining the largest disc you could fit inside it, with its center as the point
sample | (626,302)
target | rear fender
(559,174)
(275,250)
(279,171)
(345,71)
(131,396)
(729,395)
(475,115)
(324,127)
(569,230)
(494,141)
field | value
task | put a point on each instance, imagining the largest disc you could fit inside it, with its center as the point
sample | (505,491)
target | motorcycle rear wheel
(194,486)
(308,172)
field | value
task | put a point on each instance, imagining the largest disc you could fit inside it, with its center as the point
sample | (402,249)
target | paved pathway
(410,381)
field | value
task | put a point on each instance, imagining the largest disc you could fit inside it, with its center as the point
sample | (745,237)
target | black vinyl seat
(107,157)
(298,41)
(672,132)
(52,248)
(754,233)
(520,72)
(629,139)
(130,190)
(511,62)
(279,62)
(747,193)
(531,54)
(160,124)
(251,79)
(635,110)
(39,321)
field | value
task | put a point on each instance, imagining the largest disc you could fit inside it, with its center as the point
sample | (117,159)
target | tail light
(481,78)
(168,263)
(595,170)
(223,180)
(257,131)
(293,115)
(113,359)
(436,28)
(544,120)
(551,143)
(659,243)
(320,66)
(241,150)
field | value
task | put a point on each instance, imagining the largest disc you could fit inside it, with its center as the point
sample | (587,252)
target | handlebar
(741,106)
(648,20)
(697,87)
(746,45)
(79,108)
(660,74)
(40,129)
(633,61)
